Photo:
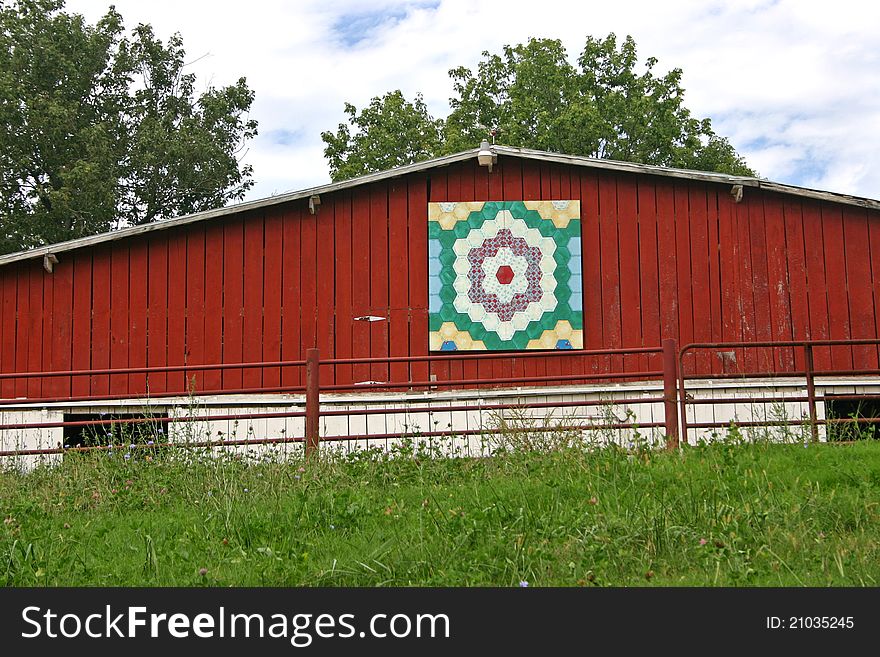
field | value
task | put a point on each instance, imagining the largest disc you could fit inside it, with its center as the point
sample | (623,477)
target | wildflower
(126,456)
(131,446)
(66,446)
(150,442)
(300,469)
(296,476)
(703,541)
(593,500)
(332,526)
(523,584)
(245,490)
(203,571)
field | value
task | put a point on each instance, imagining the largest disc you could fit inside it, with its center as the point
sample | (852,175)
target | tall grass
(720,514)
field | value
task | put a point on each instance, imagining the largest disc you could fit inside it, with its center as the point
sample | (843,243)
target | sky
(794,84)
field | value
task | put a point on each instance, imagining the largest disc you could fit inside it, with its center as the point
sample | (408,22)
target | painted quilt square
(505,275)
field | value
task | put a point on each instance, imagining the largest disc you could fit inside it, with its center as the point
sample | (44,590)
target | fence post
(670,390)
(811,391)
(313,401)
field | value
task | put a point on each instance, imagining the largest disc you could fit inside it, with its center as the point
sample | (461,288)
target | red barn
(661,253)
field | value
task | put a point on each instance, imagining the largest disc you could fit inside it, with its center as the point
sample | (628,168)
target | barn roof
(507,151)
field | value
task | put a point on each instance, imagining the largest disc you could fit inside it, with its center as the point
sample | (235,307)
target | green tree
(389,132)
(532,96)
(103,130)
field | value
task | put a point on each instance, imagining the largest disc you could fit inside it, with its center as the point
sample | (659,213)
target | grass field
(725,514)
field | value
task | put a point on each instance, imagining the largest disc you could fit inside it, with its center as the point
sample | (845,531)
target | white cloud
(794,84)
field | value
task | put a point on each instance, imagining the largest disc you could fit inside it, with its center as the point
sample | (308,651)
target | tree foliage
(532,96)
(103,129)
(389,132)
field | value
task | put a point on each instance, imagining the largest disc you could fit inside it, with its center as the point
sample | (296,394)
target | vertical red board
(81,335)
(195,305)
(325,305)
(417,211)
(609,262)
(272,286)
(157,311)
(859,285)
(23,294)
(252,348)
(233,300)
(728,253)
(398,276)
(630,293)
(649,281)
(35,330)
(873,218)
(835,274)
(213,379)
(714,269)
(343,320)
(817,288)
(360,281)
(291,342)
(62,307)
(681,199)
(379,278)
(47,310)
(592,271)
(101,288)
(308,275)
(700,281)
(7,346)
(177,274)
(746,303)
(137,301)
(777,279)
(760,288)
(796,267)
(667,261)
(119,321)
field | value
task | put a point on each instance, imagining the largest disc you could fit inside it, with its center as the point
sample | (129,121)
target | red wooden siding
(662,258)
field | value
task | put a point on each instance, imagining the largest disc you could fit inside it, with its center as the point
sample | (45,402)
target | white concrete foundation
(418,413)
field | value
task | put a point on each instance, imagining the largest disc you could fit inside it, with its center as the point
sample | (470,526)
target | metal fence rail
(313,389)
(808,373)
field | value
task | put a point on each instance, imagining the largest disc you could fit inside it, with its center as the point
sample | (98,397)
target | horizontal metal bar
(489,407)
(475,432)
(151,420)
(140,446)
(781,423)
(780,344)
(478,382)
(768,400)
(743,400)
(492,355)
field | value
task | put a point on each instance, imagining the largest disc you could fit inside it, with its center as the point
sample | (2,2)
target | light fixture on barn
(486,157)
(49,262)
(314,203)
